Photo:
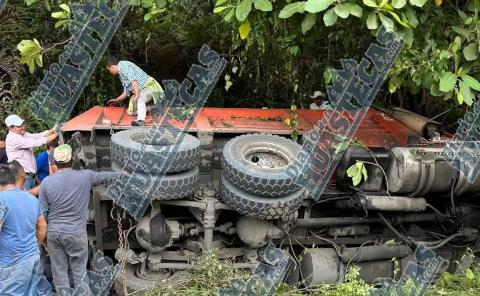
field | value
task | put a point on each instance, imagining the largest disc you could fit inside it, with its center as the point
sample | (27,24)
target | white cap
(317,94)
(14,120)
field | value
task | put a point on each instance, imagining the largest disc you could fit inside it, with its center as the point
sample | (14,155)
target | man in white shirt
(19,146)
(320,101)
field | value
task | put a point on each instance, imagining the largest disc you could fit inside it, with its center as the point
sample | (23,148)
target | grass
(208,274)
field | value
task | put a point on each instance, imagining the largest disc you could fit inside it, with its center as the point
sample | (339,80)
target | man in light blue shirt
(22,230)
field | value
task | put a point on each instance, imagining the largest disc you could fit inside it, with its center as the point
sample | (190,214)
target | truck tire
(129,151)
(258,206)
(257,164)
(170,186)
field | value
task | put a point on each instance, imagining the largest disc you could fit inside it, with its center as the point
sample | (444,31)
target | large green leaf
(60,23)
(308,22)
(418,3)
(229,15)
(459,97)
(161,3)
(412,18)
(315,6)
(372,22)
(355,9)
(147,3)
(398,19)
(244,29)
(65,7)
(459,30)
(31,53)
(342,10)
(60,14)
(398,3)
(219,9)
(471,82)
(447,82)
(291,9)
(370,3)
(408,37)
(330,17)
(263,5)
(356,171)
(387,22)
(470,52)
(466,93)
(243,10)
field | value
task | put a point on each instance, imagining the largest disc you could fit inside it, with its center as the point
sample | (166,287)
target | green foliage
(435,48)
(292,122)
(206,276)
(356,172)
(351,285)
(31,54)
(62,16)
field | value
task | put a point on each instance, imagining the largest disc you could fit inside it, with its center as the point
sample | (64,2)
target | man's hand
(42,245)
(113,101)
(120,98)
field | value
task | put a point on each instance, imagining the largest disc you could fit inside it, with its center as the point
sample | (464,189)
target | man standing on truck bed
(64,198)
(135,80)
(19,146)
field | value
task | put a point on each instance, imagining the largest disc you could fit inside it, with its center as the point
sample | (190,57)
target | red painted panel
(376,130)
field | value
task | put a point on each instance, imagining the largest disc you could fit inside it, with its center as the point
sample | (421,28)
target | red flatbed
(376,130)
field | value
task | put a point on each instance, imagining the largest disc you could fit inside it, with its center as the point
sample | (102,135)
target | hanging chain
(123,256)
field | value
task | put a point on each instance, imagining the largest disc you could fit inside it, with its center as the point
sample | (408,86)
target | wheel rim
(267,155)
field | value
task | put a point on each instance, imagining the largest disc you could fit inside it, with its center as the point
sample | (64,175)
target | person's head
(318,97)
(112,65)
(18,172)
(52,145)
(16,124)
(63,156)
(7,177)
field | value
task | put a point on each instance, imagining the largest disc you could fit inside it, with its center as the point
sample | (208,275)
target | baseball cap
(317,94)
(14,120)
(63,153)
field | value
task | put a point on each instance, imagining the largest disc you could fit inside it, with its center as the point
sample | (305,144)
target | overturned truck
(226,189)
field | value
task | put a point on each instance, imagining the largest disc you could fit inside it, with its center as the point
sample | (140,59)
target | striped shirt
(128,73)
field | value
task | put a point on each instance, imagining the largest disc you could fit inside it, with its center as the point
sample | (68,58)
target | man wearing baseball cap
(64,198)
(19,146)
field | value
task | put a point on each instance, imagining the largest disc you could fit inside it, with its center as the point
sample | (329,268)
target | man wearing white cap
(64,198)
(19,146)
(319,101)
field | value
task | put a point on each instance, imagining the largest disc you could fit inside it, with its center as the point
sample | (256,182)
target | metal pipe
(372,253)
(336,221)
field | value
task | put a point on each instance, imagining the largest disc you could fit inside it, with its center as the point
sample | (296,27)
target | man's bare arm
(35,191)
(136,92)
(120,98)
(52,169)
(41,230)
